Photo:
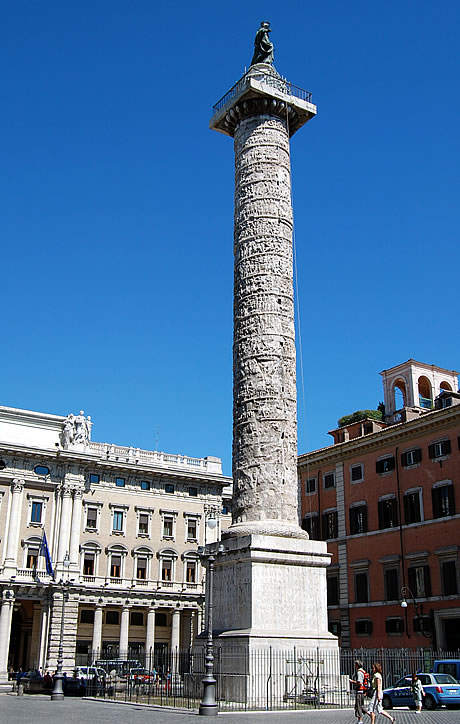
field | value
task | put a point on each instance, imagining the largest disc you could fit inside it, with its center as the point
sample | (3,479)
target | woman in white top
(376,703)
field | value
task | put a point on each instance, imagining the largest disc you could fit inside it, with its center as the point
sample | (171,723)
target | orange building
(386,497)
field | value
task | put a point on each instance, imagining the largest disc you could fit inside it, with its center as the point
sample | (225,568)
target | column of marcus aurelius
(270,583)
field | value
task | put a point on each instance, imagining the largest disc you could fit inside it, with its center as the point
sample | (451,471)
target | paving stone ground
(40,710)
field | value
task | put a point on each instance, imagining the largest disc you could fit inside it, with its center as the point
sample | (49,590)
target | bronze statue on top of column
(263,47)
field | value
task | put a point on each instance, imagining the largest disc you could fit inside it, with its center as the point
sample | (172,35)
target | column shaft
(13,527)
(124,633)
(75,528)
(264,369)
(150,637)
(43,635)
(64,528)
(96,646)
(6,614)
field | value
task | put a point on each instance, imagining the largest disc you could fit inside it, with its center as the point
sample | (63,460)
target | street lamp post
(58,692)
(418,608)
(208,705)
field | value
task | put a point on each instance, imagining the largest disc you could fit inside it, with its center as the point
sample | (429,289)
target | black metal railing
(272,80)
(267,680)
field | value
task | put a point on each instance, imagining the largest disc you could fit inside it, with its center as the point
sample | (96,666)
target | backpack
(366,687)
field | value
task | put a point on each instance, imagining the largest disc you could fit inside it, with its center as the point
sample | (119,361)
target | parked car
(141,676)
(448,666)
(440,689)
(89,672)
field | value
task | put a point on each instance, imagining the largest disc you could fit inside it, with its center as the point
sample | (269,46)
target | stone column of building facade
(150,637)
(17,487)
(270,583)
(64,527)
(75,528)
(124,633)
(96,645)
(43,634)
(6,614)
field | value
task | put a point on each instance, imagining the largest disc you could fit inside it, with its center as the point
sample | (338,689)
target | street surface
(40,710)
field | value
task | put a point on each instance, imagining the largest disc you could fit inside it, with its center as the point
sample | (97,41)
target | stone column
(64,528)
(96,646)
(199,621)
(17,487)
(6,614)
(150,637)
(43,634)
(124,633)
(175,639)
(35,636)
(75,528)
(264,404)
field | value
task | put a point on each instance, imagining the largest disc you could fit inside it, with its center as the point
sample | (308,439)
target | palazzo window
(329,480)
(119,514)
(391,584)
(357,473)
(141,568)
(190,568)
(168,524)
(358,519)
(116,562)
(332,590)
(385,465)
(411,457)
(310,486)
(439,449)
(86,615)
(330,524)
(91,518)
(89,557)
(88,564)
(363,627)
(136,618)
(112,618)
(115,566)
(37,508)
(442,497)
(32,558)
(420,580)
(361,576)
(167,565)
(412,507)
(449,578)
(311,524)
(191,526)
(388,513)
(394,626)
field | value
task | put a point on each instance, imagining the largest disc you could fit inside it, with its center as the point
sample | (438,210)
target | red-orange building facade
(386,497)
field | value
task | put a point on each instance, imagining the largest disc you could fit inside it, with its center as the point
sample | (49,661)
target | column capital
(8,595)
(17,485)
(77,491)
(65,489)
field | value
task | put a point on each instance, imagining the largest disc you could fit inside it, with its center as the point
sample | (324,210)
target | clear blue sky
(117,207)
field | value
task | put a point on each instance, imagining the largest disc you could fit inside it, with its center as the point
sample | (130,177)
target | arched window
(190,559)
(167,558)
(400,396)
(445,386)
(142,556)
(425,393)
(33,561)
(89,557)
(116,555)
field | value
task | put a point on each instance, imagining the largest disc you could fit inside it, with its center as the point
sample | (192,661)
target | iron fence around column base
(267,679)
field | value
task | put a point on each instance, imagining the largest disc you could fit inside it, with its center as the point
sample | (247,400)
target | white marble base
(271,591)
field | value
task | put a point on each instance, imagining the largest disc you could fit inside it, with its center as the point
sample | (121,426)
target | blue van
(448,666)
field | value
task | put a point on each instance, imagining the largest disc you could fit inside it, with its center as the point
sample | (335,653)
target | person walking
(417,693)
(376,702)
(360,690)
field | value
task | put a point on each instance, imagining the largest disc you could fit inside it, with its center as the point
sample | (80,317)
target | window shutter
(412,581)
(417,455)
(381,514)
(379,466)
(427,580)
(435,502)
(364,519)
(404,459)
(406,513)
(446,447)
(431,452)
(451,500)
